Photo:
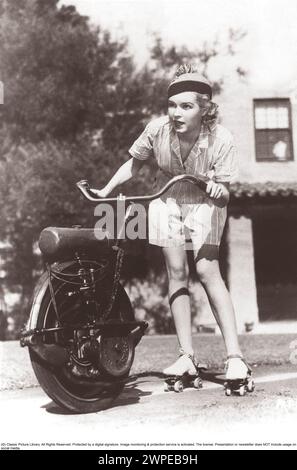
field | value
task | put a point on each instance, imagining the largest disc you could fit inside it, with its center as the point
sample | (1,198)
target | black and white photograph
(148,227)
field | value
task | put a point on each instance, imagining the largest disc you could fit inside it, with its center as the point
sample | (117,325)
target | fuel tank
(59,243)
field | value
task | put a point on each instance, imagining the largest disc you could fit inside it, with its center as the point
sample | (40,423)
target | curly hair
(211,116)
(186,68)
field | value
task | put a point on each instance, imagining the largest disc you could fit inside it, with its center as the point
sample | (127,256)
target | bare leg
(177,269)
(208,270)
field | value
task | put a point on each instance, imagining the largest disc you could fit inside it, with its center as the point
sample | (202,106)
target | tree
(58,72)
(66,83)
(37,189)
(143,94)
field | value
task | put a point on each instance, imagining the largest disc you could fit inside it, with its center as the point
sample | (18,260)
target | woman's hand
(214,190)
(100,192)
(218,191)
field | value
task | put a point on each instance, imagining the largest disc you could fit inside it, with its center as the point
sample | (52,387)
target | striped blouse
(213,154)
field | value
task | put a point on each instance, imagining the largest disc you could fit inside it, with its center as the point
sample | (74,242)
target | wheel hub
(116,355)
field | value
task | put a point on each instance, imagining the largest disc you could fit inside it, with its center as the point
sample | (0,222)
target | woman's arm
(127,171)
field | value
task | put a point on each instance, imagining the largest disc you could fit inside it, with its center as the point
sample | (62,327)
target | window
(273,133)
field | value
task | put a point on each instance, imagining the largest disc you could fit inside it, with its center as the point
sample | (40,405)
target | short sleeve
(142,148)
(226,164)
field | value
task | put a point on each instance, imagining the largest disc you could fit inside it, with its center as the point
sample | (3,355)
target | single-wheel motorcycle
(81,332)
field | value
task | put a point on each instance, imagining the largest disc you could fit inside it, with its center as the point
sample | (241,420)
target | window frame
(266,102)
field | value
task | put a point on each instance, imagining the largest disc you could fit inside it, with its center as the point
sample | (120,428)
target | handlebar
(201,181)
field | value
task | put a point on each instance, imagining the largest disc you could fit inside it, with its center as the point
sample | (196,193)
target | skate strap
(201,366)
(178,293)
(237,356)
(198,365)
(234,356)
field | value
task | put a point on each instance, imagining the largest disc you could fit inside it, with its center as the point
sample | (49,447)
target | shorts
(188,225)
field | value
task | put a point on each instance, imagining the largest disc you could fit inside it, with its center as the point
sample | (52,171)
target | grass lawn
(155,353)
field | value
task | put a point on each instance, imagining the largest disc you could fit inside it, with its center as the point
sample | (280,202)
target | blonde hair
(204,101)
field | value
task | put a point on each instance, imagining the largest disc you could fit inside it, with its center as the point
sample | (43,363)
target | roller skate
(238,377)
(184,373)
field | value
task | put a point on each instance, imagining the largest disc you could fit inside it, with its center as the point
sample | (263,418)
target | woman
(190,141)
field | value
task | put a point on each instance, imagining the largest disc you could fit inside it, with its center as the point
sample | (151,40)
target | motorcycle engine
(110,356)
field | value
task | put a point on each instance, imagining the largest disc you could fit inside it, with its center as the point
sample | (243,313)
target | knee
(205,274)
(178,273)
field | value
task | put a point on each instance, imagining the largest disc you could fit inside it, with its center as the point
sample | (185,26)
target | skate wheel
(228,392)
(250,386)
(167,387)
(198,383)
(242,391)
(178,386)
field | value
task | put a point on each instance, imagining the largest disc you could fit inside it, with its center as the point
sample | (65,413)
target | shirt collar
(206,130)
(203,138)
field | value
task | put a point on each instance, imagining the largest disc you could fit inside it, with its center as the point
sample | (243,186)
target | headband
(189,82)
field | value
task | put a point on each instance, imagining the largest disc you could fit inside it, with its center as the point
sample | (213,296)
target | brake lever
(83,184)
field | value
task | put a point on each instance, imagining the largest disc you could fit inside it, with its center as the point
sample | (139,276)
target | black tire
(79,395)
